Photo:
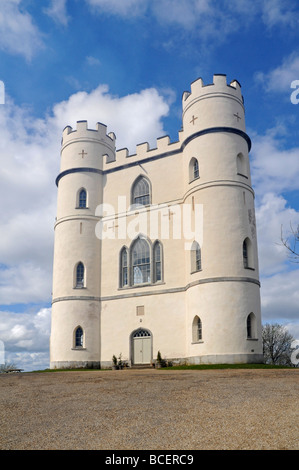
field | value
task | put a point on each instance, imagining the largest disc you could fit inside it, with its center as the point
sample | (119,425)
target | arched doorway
(141,346)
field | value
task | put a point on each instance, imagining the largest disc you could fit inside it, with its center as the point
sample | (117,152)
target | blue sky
(126,63)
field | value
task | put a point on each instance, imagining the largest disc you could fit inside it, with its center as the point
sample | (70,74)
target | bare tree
(6,366)
(291,243)
(277,344)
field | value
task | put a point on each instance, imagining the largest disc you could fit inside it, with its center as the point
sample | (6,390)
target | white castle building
(157,251)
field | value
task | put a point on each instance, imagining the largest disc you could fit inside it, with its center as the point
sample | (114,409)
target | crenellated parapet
(83,133)
(143,153)
(219,87)
(219,104)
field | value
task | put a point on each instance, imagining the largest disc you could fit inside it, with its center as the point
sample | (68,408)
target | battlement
(218,87)
(143,152)
(82,132)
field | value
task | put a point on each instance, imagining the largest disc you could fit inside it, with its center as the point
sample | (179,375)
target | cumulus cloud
(119,7)
(18,33)
(204,17)
(280,78)
(58,12)
(275,166)
(30,150)
(134,118)
(25,337)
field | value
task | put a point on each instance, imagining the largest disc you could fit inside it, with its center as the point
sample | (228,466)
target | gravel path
(150,409)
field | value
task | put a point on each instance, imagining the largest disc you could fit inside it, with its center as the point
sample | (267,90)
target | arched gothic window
(241,165)
(124,279)
(247,254)
(196,329)
(157,262)
(193,169)
(141,191)
(251,326)
(82,199)
(195,257)
(141,266)
(80,275)
(78,337)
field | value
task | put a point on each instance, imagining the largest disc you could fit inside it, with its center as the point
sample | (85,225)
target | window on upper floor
(141,191)
(141,263)
(124,278)
(241,165)
(193,169)
(247,254)
(80,271)
(157,258)
(195,257)
(82,199)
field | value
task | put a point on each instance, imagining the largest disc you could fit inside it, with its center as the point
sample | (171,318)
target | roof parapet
(82,132)
(219,86)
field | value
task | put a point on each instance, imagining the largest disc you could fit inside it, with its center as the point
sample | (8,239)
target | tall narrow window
(248,260)
(196,329)
(141,192)
(251,326)
(195,257)
(79,337)
(141,267)
(82,198)
(249,329)
(245,254)
(241,165)
(157,262)
(195,169)
(124,281)
(80,275)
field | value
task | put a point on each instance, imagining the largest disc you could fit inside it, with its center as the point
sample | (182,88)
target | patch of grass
(183,367)
(226,366)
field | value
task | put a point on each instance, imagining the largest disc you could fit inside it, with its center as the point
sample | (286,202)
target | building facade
(157,251)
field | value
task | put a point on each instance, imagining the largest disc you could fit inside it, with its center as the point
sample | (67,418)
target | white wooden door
(142,350)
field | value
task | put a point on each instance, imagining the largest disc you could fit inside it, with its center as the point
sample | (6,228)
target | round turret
(77,253)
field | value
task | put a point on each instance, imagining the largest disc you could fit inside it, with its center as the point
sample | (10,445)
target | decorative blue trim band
(211,130)
(77,170)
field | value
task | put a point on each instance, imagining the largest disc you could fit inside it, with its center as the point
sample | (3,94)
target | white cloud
(208,19)
(26,338)
(275,166)
(280,297)
(134,118)
(280,78)
(30,150)
(279,12)
(272,214)
(119,7)
(18,33)
(92,61)
(57,11)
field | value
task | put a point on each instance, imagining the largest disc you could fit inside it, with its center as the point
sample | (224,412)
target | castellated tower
(171,262)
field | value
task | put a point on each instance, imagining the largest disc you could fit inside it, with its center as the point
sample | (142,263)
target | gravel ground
(150,409)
